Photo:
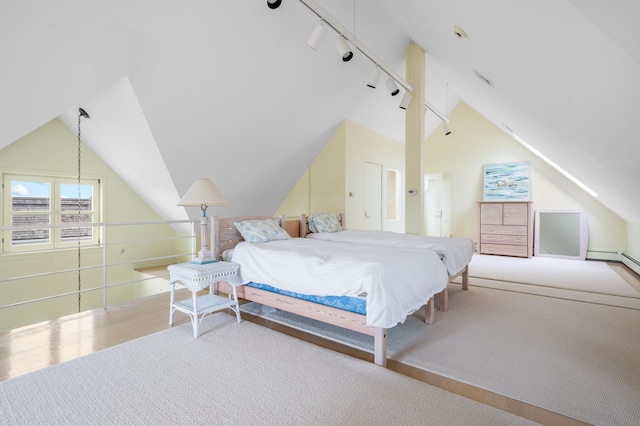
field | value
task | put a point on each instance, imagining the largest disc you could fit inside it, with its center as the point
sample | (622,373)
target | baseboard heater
(631,262)
(607,256)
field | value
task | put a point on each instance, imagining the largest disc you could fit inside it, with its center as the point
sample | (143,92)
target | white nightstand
(197,277)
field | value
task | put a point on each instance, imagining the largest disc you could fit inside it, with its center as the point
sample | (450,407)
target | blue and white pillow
(324,222)
(261,231)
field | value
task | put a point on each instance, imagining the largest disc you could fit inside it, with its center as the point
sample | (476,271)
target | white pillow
(227,255)
(324,222)
(261,231)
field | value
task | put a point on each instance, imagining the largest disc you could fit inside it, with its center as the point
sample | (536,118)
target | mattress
(456,253)
(357,304)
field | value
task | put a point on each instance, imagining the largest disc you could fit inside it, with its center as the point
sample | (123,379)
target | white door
(372,196)
(433,204)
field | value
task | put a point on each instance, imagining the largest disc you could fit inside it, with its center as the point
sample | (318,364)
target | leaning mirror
(560,233)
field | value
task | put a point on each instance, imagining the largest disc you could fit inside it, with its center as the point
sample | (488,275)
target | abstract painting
(507,182)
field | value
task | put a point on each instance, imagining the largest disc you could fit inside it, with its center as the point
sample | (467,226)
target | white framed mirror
(560,233)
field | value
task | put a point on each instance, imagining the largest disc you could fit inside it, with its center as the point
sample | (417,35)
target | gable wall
(475,142)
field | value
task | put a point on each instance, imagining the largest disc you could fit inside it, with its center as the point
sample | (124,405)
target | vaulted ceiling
(230,90)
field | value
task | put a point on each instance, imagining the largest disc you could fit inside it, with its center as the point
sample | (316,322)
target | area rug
(584,276)
(573,358)
(585,281)
(232,374)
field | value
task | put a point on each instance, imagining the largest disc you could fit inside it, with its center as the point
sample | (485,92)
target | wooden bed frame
(443,296)
(225,236)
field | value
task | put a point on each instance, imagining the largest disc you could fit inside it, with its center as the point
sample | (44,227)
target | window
(39,200)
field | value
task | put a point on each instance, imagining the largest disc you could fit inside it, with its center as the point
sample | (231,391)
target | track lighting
(392,86)
(445,125)
(406,98)
(343,49)
(317,36)
(373,78)
(346,41)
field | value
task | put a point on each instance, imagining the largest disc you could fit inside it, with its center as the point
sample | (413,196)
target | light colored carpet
(586,281)
(578,359)
(232,374)
(585,276)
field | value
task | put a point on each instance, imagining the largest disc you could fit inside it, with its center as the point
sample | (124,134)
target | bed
(456,253)
(278,272)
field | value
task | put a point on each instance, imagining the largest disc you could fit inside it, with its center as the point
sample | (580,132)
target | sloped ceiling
(230,90)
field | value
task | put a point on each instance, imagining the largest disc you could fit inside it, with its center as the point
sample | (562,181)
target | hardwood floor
(38,346)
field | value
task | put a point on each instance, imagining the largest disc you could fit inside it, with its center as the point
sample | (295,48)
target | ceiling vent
(484,79)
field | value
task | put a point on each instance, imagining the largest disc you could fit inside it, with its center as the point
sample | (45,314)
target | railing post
(104,266)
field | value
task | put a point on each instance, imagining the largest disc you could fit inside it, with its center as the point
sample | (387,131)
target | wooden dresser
(505,228)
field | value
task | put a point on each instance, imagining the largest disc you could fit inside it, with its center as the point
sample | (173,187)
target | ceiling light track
(347,36)
(351,38)
(434,110)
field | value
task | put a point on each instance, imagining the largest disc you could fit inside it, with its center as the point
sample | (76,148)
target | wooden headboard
(304,224)
(225,236)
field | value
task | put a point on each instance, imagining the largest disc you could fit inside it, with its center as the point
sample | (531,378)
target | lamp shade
(203,192)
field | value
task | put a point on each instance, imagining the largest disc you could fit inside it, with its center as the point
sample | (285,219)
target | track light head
(392,86)
(406,98)
(344,50)
(445,128)
(274,4)
(373,77)
(317,36)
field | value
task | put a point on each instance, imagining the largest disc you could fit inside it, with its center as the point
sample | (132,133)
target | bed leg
(443,300)
(380,346)
(465,278)
(429,311)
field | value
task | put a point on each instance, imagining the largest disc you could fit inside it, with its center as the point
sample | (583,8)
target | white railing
(129,262)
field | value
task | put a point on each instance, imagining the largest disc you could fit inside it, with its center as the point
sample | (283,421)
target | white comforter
(456,252)
(397,282)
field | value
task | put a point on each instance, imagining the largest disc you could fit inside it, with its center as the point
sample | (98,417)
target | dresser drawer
(503,230)
(520,251)
(514,240)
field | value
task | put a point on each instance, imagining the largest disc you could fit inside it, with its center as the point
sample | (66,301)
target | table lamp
(203,193)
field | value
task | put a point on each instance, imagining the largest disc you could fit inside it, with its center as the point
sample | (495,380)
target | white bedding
(456,252)
(397,283)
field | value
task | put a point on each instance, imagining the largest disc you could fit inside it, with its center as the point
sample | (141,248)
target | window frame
(54,212)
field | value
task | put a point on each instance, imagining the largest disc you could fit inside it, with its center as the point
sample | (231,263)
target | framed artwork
(507,182)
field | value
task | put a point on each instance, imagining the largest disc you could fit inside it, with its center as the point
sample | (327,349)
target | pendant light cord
(79,210)
(81,113)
